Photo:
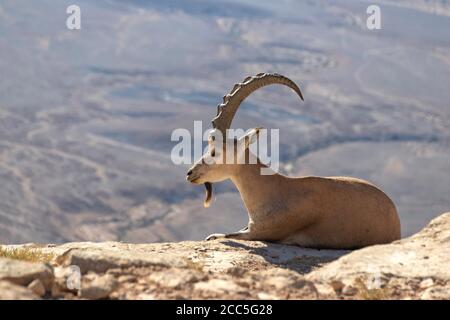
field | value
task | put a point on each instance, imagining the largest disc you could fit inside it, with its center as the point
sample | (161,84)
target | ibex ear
(251,136)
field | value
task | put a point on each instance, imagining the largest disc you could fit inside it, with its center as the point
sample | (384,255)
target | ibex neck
(255,188)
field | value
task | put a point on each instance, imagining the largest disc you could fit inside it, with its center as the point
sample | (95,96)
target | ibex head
(214,165)
(222,160)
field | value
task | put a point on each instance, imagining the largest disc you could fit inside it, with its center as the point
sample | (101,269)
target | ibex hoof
(215,236)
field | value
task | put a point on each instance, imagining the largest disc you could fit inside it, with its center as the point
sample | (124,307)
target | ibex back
(317,212)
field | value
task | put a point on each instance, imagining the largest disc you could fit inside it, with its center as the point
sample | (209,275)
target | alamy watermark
(73,21)
(373,21)
(73,279)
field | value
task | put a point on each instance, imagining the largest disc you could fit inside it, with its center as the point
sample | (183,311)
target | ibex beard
(318,212)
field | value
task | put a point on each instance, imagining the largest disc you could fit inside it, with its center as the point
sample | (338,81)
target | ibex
(315,212)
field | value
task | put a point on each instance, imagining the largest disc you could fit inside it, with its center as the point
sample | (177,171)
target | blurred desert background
(86,116)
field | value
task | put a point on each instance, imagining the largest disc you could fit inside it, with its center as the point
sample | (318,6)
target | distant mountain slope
(86,116)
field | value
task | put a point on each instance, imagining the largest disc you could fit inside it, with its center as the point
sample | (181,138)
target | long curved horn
(231,102)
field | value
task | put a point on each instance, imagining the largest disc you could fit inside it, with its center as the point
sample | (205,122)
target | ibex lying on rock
(317,212)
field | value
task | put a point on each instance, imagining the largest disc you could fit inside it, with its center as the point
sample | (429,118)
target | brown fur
(318,212)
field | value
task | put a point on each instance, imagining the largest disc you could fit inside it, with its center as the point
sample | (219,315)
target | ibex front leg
(243,234)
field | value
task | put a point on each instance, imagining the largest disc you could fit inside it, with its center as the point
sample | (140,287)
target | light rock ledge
(417,267)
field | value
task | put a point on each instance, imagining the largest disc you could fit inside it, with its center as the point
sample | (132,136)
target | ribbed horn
(231,102)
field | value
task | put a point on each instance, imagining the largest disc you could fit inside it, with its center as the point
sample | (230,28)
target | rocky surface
(11,291)
(24,273)
(416,267)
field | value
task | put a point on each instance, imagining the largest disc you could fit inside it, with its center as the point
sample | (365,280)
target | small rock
(337,286)
(426,283)
(267,296)
(436,293)
(24,272)
(280,282)
(145,296)
(56,290)
(11,291)
(37,287)
(236,271)
(218,286)
(98,288)
(174,279)
(349,290)
(127,278)
(67,279)
(115,272)
(325,289)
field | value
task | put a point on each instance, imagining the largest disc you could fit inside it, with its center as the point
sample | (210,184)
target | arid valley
(86,116)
